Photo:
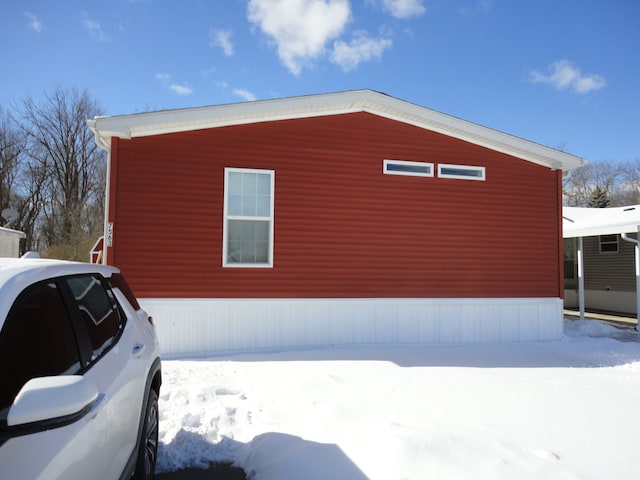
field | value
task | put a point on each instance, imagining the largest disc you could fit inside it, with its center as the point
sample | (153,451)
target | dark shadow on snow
(277,454)
(287,456)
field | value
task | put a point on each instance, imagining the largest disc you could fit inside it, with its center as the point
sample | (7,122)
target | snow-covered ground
(556,410)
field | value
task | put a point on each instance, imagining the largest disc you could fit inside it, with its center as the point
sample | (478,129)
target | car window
(118,281)
(36,340)
(98,312)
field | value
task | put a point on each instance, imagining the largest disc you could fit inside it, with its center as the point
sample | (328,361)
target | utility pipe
(581,277)
(636,242)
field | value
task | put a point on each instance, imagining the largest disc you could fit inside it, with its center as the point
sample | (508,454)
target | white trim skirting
(247,325)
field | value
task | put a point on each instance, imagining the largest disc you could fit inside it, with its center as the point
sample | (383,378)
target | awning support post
(581,278)
(636,242)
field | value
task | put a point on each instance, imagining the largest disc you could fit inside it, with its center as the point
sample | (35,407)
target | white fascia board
(181,120)
(474,133)
(173,121)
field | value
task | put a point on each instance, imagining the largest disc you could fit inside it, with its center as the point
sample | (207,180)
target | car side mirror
(51,402)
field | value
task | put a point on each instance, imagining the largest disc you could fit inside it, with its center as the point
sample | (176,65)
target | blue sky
(564,73)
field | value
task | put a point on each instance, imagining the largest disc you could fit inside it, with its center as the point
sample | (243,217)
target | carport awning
(586,222)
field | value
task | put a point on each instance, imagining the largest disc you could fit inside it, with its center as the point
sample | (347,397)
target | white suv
(80,374)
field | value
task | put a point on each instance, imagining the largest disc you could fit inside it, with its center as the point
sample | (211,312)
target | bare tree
(64,169)
(21,184)
(12,150)
(629,191)
(29,204)
(597,178)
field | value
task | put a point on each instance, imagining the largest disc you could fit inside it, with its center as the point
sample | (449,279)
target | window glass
(403,167)
(97,311)
(119,282)
(570,266)
(264,184)
(248,237)
(462,172)
(36,341)
(248,241)
(609,243)
(249,194)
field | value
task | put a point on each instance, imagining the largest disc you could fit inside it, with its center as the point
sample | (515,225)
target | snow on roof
(172,121)
(586,222)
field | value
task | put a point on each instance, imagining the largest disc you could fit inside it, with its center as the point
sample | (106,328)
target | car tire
(148,443)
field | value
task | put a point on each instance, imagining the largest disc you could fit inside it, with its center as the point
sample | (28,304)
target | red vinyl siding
(342,228)
(560,239)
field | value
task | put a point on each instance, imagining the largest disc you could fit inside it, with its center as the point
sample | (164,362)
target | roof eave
(174,121)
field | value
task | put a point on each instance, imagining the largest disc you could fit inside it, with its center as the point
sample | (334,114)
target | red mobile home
(341,218)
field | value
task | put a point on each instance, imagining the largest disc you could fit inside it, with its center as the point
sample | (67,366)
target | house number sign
(109,237)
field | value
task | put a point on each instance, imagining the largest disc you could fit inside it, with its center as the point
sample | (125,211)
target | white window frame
(482,177)
(407,163)
(227,217)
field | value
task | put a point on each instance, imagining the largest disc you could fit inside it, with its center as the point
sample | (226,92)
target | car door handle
(96,407)
(138,348)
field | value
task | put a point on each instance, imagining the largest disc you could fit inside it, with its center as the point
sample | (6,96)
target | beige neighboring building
(10,242)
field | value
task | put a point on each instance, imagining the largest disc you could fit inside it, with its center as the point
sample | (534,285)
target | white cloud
(34,22)
(565,75)
(404,8)
(165,79)
(95,29)
(589,83)
(181,89)
(244,94)
(362,48)
(300,28)
(222,39)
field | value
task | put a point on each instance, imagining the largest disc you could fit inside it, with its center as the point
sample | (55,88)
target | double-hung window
(248,218)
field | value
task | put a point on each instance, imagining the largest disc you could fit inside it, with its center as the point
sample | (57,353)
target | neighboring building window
(570,263)
(609,243)
(404,167)
(248,218)
(462,172)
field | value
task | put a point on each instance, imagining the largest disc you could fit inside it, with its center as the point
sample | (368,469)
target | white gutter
(100,141)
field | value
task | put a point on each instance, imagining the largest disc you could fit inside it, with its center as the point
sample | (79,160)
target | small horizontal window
(404,167)
(462,172)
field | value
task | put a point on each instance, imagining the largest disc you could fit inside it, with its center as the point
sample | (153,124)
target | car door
(37,340)
(112,368)
(67,326)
